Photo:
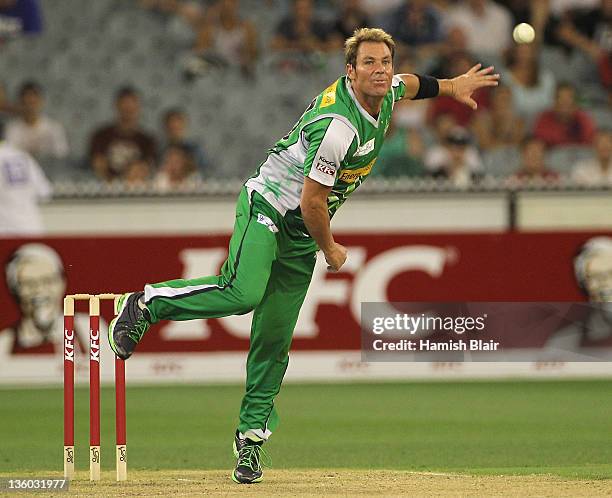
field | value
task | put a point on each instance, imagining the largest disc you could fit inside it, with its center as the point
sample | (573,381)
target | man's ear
(350,72)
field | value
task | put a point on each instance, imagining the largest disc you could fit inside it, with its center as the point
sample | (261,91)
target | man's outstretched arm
(460,88)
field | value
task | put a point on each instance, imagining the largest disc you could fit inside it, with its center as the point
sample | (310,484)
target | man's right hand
(335,257)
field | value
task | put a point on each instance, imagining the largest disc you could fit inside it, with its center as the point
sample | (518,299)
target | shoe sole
(259,479)
(111,326)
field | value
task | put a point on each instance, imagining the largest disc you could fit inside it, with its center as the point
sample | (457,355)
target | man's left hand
(463,86)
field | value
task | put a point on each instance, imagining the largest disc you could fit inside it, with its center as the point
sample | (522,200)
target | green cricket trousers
(268,270)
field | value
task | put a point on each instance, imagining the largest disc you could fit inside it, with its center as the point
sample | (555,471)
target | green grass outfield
(561,428)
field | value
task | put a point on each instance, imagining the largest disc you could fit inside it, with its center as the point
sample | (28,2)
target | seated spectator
(34,132)
(176,169)
(119,147)
(19,17)
(533,88)
(457,63)
(401,154)
(301,33)
(486,25)
(565,123)
(498,126)
(598,170)
(589,31)
(418,25)
(22,186)
(225,40)
(175,131)
(533,166)
(350,18)
(455,160)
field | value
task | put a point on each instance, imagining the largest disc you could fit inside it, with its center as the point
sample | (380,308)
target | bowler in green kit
(283,218)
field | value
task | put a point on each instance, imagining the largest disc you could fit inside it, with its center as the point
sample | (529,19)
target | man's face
(565,103)
(32,102)
(128,108)
(373,72)
(599,277)
(176,126)
(303,9)
(457,153)
(40,288)
(533,156)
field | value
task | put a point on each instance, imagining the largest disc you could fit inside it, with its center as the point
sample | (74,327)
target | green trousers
(268,270)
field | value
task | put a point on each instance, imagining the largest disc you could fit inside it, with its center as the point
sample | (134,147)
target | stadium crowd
(549,119)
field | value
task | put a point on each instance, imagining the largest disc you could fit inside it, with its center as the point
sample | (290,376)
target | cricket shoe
(130,324)
(251,458)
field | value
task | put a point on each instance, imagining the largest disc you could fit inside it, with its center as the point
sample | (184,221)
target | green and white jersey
(335,142)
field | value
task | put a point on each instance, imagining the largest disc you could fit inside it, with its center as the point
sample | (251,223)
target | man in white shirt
(34,132)
(22,185)
(597,170)
(486,25)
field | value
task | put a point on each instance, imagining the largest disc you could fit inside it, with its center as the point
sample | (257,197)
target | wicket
(94,389)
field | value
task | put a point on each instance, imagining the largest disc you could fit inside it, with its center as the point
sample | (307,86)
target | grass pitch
(463,438)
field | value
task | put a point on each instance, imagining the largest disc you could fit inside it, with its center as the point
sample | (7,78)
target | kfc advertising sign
(380,268)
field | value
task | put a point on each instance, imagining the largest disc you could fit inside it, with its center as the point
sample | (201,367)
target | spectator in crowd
(22,186)
(598,170)
(565,123)
(122,149)
(35,132)
(401,155)
(456,160)
(486,25)
(176,170)
(175,124)
(417,25)
(460,61)
(533,88)
(351,17)
(533,162)
(225,39)
(302,34)
(19,17)
(590,31)
(499,126)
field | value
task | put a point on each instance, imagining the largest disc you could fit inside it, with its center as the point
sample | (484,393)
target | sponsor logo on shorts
(264,220)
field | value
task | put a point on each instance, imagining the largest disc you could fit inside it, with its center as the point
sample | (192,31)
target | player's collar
(364,113)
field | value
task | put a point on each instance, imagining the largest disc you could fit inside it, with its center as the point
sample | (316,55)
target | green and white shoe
(251,458)
(126,330)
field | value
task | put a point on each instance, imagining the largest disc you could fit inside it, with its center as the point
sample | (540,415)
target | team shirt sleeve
(398,87)
(329,140)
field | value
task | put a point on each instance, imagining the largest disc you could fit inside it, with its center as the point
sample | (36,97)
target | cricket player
(283,218)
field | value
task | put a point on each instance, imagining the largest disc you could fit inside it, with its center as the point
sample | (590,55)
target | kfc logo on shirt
(326,167)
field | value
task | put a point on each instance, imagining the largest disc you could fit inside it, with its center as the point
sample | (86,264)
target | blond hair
(351,45)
